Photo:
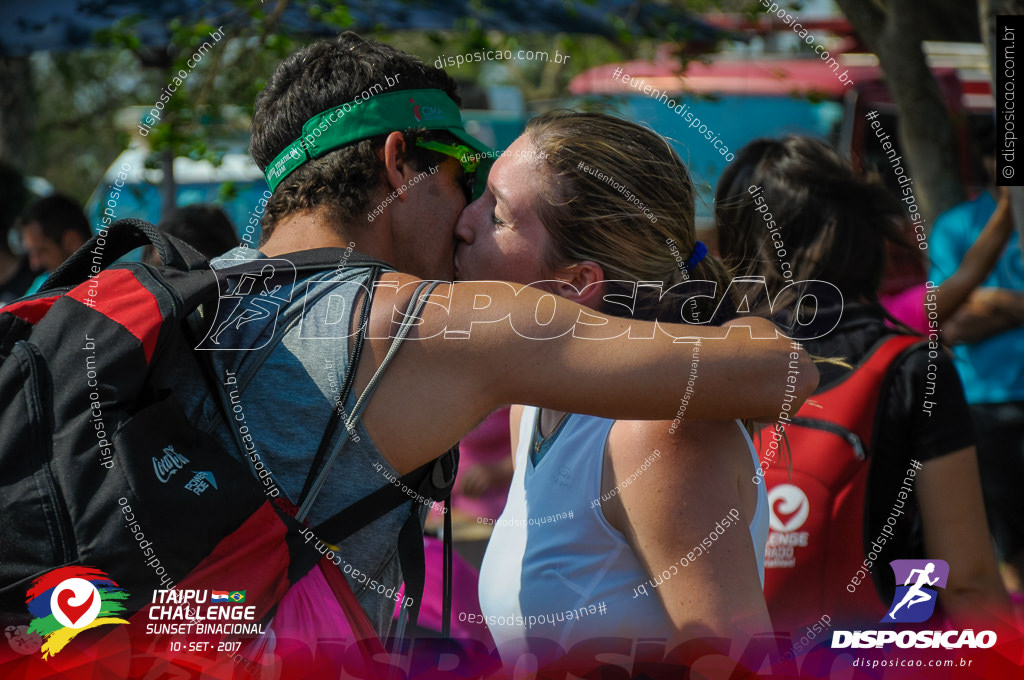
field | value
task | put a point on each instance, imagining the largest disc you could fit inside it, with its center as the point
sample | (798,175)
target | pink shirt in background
(908,306)
(490,443)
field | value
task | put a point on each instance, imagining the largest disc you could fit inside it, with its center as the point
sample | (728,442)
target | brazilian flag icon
(237,596)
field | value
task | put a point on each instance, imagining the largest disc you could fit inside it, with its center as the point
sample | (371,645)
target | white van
(129,189)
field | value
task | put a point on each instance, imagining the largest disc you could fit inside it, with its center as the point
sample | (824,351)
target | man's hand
(1000,301)
(987,313)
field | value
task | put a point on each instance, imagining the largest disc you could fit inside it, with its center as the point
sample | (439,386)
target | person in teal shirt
(987,335)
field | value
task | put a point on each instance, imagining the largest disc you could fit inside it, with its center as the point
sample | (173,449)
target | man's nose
(464,226)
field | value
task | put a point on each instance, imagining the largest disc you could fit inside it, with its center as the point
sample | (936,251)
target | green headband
(368,117)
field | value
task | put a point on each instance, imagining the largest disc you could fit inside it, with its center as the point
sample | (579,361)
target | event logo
(426,113)
(66,601)
(789,502)
(915,602)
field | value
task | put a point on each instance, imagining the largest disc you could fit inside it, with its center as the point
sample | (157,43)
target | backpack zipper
(838,430)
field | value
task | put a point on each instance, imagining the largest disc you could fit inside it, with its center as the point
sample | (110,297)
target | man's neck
(314,229)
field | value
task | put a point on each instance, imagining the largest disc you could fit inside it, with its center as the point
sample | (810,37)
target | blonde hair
(620,196)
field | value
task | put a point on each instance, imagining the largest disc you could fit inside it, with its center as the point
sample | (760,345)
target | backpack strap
(447,581)
(346,389)
(390,496)
(889,348)
(887,353)
(346,522)
(869,379)
(418,301)
(354,517)
(123,236)
(881,358)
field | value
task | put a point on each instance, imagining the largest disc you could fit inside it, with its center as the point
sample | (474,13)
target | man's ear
(397,167)
(583,283)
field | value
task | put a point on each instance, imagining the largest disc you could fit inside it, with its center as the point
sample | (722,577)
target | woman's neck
(549,420)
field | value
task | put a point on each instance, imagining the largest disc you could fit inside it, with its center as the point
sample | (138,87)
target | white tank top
(575,576)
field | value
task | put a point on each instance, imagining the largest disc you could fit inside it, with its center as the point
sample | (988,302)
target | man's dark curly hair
(325,74)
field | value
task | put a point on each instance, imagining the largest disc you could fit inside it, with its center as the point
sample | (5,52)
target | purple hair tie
(699,251)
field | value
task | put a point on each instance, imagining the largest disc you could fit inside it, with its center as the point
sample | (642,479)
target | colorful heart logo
(68,600)
(73,612)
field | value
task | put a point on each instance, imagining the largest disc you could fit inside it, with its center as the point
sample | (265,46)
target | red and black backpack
(90,424)
(816,539)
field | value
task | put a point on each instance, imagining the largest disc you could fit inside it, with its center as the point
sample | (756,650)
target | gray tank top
(286,406)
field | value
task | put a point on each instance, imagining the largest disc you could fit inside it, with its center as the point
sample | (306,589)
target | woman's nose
(464,230)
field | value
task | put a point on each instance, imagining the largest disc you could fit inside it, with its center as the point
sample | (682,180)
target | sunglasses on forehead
(467,158)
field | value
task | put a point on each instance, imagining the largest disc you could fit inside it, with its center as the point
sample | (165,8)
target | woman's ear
(583,283)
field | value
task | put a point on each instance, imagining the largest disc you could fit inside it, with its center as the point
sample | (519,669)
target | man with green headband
(364,149)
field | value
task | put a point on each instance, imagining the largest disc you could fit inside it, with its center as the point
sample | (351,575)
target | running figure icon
(921,580)
(249,304)
(915,595)
(257,309)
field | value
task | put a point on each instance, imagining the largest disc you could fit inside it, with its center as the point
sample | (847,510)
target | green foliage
(74,135)
(337,16)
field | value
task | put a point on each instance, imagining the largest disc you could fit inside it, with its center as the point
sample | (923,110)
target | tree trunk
(168,186)
(892,30)
(16,113)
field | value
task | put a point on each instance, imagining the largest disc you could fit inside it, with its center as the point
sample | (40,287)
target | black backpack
(90,426)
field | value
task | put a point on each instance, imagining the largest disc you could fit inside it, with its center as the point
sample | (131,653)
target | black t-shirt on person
(904,431)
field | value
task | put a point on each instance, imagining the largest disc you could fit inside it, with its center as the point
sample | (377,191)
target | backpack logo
(168,464)
(789,508)
(915,602)
(66,601)
(201,481)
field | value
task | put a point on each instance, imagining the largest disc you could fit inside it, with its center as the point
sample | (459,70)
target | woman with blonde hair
(613,528)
